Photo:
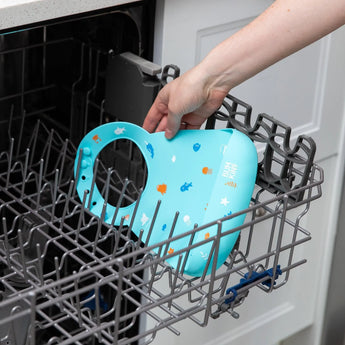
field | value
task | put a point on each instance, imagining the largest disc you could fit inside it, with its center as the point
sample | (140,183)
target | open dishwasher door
(69,277)
(306,91)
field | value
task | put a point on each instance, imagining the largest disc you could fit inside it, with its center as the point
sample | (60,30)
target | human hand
(184,103)
(190,99)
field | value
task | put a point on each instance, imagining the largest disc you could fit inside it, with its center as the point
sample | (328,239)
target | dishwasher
(66,275)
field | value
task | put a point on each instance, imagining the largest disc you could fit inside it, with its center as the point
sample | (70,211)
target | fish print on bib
(204,175)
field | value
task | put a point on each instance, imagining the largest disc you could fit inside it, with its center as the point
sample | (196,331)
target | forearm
(285,27)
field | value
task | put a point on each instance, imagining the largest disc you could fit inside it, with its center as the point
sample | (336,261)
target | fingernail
(168,134)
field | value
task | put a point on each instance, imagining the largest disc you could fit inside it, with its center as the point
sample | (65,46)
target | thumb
(172,125)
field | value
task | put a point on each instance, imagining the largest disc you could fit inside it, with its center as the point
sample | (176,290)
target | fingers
(162,124)
(160,116)
(158,111)
(183,125)
(153,118)
(172,125)
(177,102)
(189,126)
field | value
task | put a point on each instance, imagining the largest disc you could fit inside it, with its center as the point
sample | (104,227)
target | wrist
(218,75)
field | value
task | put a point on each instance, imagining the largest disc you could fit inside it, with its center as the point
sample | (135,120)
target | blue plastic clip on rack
(252,277)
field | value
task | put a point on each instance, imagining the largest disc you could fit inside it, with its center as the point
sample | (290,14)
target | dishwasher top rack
(67,277)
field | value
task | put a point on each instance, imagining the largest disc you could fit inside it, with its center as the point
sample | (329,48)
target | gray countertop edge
(24,12)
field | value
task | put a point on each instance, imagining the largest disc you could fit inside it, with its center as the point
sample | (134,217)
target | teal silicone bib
(205,175)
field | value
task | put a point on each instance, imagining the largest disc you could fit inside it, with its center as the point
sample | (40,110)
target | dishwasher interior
(66,276)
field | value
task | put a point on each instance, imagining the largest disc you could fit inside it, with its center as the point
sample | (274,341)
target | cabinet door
(307,92)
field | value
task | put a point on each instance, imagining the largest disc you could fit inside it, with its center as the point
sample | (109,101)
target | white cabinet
(306,91)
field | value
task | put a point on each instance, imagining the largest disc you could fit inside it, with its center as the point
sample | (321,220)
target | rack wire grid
(67,277)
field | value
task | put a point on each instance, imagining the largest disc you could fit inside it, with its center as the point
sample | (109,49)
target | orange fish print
(207,235)
(206,171)
(162,188)
(170,251)
(96,139)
